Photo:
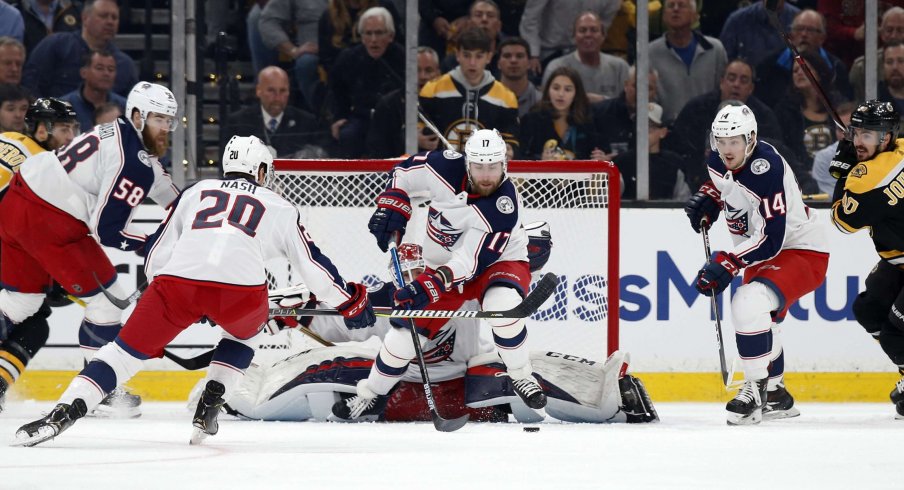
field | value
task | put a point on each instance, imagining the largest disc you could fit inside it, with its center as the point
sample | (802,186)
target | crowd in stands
(556,77)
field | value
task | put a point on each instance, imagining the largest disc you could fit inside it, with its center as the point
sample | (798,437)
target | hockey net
(580,201)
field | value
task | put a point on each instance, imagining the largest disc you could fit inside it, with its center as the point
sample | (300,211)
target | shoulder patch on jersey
(875,173)
(144,157)
(759,166)
(505,205)
(451,154)
(858,171)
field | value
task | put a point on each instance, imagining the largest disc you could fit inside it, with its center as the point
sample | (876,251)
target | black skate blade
(449,425)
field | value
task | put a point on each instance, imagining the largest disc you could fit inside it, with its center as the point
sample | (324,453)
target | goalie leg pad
(751,309)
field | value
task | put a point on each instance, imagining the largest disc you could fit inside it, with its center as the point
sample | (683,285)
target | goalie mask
(484,148)
(732,121)
(411,261)
(150,97)
(245,155)
(539,245)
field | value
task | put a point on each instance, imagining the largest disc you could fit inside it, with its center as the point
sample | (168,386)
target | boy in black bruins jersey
(468,98)
(869,166)
(50,124)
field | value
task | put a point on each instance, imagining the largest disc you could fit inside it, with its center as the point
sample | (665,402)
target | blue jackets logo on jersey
(759,166)
(736,220)
(441,231)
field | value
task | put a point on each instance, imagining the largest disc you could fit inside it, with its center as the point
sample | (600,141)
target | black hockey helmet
(48,110)
(877,115)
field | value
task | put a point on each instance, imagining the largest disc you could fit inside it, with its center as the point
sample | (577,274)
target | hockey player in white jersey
(61,207)
(777,242)
(461,359)
(476,248)
(207,259)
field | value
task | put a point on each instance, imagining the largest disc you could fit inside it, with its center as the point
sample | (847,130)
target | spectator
(688,62)
(386,136)
(277,20)
(12,57)
(261,55)
(483,14)
(510,13)
(844,23)
(806,125)
(437,17)
(891,88)
(560,126)
(107,113)
(11,23)
(52,69)
(336,29)
(361,75)
(546,24)
(808,33)
(749,35)
(614,118)
(284,128)
(98,73)
(514,54)
(468,98)
(13,106)
(823,157)
(667,176)
(690,131)
(44,17)
(603,74)
(890,30)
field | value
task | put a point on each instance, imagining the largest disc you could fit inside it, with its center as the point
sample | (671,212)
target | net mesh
(336,204)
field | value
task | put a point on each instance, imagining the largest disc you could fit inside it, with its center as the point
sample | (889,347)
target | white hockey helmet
(150,97)
(486,146)
(245,155)
(735,120)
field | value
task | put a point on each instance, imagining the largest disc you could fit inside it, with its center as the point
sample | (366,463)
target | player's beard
(484,188)
(157,145)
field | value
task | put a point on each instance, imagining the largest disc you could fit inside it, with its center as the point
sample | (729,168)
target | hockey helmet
(878,116)
(486,146)
(411,259)
(149,97)
(735,120)
(245,155)
(48,110)
(539,244)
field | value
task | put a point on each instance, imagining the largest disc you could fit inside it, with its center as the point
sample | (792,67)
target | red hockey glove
(391,217)
(715,276)
(704,206)
(358,311)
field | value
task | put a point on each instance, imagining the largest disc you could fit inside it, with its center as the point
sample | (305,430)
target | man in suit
(287,129)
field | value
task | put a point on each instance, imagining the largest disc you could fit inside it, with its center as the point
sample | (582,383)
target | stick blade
(449,425)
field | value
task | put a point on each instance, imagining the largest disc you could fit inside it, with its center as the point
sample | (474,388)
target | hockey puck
(531,429)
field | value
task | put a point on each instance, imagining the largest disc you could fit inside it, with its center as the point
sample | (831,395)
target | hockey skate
(636,401)
(897,397)
(53,424)
(779,404)
(205,419)
(529,390)
(366,406)
(747,406)
(119,404)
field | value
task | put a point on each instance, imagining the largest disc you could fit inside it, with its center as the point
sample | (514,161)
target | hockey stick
(771,7)
(726,379)
(542,291)
(122,304)
(441,424)
(433,128)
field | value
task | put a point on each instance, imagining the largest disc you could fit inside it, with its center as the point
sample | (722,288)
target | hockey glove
(391,217)
(844,160)
(297,296)
(704,206)
(715,276)
(424,289)
(358,311)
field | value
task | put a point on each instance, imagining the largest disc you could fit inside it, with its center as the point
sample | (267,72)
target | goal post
(579,200)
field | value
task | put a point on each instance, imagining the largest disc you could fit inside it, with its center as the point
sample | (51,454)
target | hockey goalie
(468,375)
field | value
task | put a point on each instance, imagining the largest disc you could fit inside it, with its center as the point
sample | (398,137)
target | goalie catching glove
(391,217)
(704,206)
(297,296)
(717,275)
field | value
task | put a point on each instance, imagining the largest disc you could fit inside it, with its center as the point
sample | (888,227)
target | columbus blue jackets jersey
(763,207)
(464,232)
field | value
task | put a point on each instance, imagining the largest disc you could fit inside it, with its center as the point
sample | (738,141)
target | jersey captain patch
(759,166)
(505,205)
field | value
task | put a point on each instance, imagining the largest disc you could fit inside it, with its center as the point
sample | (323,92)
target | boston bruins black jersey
(873,198)
(458,111)
(14,149)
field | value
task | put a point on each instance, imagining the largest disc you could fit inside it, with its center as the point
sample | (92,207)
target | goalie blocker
(305,387)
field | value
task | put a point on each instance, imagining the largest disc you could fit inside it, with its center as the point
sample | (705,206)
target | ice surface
(830,446)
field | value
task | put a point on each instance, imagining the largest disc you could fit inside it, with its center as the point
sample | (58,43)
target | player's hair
(11,41)
(579,112)
(89,56)
(11,93)
(475,39)
(380,13)
(341,20)
(515,41)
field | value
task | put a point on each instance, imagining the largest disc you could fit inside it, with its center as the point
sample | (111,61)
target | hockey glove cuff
(704,206)
(715,276)
(391,217)
(425,289)
(358,311)
(844,160)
